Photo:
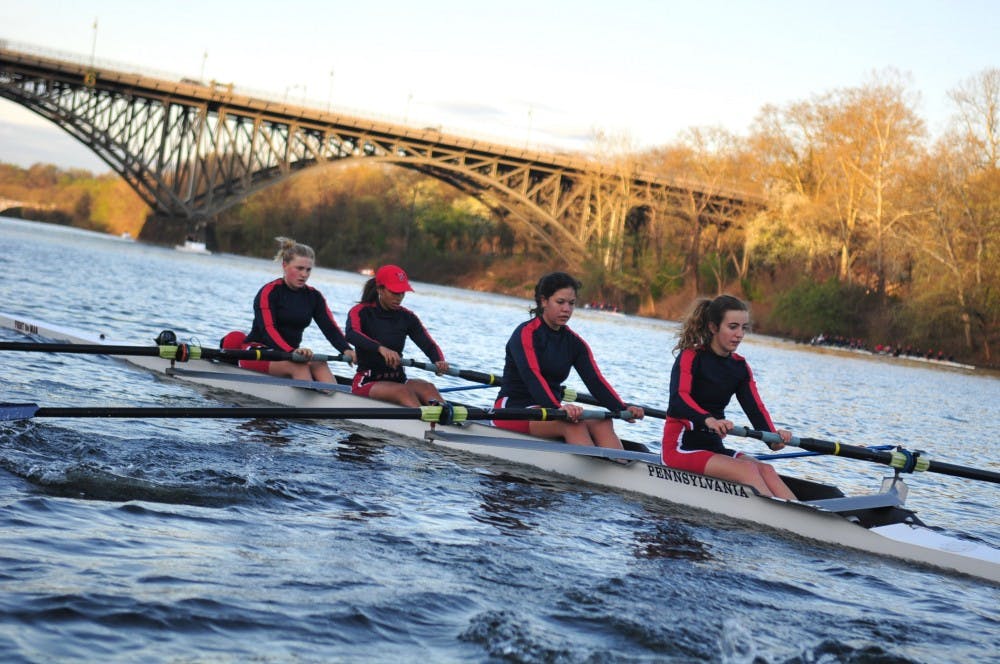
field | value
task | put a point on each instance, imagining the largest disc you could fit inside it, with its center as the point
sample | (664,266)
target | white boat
(192,247)
(878,523)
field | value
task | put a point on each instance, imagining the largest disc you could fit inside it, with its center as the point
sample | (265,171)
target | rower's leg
(602,432)
(321,371)
(425,391)
(574,433)
(738,470)
(400,393)
(774,481)
(287,369)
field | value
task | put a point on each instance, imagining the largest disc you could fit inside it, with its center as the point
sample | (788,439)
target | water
(279,541)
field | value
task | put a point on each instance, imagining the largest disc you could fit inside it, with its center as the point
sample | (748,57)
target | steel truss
(191,150)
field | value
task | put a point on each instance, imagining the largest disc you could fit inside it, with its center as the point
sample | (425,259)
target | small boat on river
(192,246)
(876,522)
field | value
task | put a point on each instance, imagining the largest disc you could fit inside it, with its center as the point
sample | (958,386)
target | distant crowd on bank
(895,350)
(603,306)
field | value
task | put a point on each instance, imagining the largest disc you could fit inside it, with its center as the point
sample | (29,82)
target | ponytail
(695,331)
(369,293)
(289,249)
(549,284)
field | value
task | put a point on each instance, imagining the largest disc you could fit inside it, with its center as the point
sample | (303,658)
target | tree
(958,235)
(842,159)
(874,134)
(715,160)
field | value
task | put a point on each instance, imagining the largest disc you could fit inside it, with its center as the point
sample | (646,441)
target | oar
(178,352)
(900,459)
(446,414)
(569,394)
(474,376)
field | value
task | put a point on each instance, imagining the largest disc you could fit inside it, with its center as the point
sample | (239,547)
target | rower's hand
(350,356)
(635,413)
(785,436)
(441,366)
(390,356)
(573,411)
(305,353)
(721,427)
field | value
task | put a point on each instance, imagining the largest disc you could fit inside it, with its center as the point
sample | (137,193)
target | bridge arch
(191,149)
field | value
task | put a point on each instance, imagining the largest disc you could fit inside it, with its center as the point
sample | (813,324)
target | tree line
(869,228)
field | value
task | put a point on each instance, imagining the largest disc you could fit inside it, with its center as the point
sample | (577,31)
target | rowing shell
(876,523)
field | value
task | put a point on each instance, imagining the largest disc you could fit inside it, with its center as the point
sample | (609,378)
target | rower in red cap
(378,327)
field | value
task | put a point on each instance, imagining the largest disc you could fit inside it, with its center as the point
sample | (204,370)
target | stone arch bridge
(192,148)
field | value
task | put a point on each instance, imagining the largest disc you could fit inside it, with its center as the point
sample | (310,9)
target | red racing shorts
(674,455)
(237,341)
(520,426)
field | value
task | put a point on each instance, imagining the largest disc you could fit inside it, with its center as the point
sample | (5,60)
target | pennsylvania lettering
(27,328)
(700,481)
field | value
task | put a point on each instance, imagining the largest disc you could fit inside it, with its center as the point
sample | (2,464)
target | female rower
(706,375)
(282,310)
(378,326)
(540,354)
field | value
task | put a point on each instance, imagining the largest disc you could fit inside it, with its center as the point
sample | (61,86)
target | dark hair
(369,293)
(549,284)
(695,331)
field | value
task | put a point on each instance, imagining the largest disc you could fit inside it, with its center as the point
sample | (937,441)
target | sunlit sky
(546,72)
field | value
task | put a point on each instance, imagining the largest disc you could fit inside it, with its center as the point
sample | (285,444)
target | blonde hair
(289,249)
(695,332)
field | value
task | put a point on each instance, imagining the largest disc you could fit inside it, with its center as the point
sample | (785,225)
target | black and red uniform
(280,316)
(538,360)
(370,326)
(702,384)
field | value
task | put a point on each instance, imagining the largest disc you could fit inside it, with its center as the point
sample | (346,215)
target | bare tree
(977,102)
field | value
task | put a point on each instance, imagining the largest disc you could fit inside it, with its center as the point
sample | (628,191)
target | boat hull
(634,472)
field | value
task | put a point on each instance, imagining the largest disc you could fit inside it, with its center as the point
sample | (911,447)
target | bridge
(10,204)
(192,149)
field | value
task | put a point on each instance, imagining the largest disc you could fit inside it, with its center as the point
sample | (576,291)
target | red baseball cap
(393,278)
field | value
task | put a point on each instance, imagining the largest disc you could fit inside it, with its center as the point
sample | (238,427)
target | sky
(546,73)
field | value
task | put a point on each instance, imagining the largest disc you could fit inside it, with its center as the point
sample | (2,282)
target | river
(277,541)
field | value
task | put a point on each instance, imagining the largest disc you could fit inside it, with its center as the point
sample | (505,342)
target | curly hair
(695,332)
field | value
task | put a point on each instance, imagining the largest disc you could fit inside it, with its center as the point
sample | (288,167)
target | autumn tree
(957,238)
(706,163)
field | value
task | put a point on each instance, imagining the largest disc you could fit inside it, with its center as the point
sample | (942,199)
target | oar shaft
(82,349)
(179,352)
(572,395)
(569,394)
(902,460)
(446,414)
(474,376)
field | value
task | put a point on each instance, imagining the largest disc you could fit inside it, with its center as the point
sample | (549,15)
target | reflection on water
(509,502)
(669,540)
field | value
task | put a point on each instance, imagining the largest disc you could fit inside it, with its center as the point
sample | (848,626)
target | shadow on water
(510,503)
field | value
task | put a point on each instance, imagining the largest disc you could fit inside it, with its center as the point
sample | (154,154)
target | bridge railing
(271,96)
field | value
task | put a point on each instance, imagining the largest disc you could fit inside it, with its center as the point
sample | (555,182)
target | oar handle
(569,394)
(474,376)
